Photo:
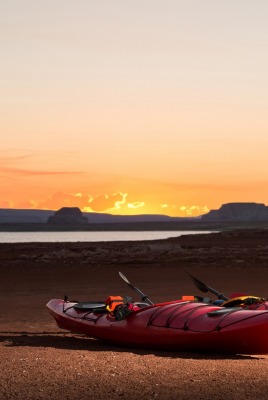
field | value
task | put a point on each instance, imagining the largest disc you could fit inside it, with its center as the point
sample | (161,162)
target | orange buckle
(188,298)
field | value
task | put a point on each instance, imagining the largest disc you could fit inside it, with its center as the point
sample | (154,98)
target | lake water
(26,237)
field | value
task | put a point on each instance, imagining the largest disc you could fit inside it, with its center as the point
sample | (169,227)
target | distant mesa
(30,216)
(68,215)
(238,212)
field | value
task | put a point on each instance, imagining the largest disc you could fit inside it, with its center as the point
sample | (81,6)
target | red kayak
(181,325)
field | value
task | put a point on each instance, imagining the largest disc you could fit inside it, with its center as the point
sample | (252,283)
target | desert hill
(230,213)
(239,212)
(16,216)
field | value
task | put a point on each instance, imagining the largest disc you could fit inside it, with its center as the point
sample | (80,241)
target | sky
(133,107)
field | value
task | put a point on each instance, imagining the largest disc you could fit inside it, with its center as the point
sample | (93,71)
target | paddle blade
(200,285)
(143,296)
(123,277)
(204,288)
(126,280)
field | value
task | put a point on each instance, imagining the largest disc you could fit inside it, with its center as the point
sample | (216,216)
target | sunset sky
(132,107)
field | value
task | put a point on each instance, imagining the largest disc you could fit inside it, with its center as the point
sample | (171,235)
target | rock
(68,215)
(238,212)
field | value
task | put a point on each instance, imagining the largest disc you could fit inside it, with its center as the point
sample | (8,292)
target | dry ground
(37,361)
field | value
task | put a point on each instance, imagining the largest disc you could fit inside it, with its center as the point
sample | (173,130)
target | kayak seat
(89,306)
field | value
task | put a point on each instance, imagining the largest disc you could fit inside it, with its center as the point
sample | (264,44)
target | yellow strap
(242,300)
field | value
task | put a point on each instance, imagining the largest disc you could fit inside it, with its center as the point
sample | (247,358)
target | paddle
(143,296)
(204,288)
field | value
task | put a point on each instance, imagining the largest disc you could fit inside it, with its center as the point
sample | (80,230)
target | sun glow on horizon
(115,203)
(102,193)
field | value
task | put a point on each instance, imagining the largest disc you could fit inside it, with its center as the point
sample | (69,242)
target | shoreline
(133,226)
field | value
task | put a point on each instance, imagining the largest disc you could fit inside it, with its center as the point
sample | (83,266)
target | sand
(39,361)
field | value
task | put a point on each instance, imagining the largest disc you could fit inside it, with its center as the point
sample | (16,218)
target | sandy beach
(39,361)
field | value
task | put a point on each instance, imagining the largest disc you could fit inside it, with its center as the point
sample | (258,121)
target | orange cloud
(136,204)
(5,204)
(14,158)
(18,171)
(185,210)
(61,199)
(115,203)
(107,203)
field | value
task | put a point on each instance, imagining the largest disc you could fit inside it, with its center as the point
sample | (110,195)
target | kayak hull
(177,326)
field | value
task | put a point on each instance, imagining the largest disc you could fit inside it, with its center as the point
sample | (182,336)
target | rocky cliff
(68,215)
(238,212)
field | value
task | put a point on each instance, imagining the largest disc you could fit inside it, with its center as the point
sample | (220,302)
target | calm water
(22,237)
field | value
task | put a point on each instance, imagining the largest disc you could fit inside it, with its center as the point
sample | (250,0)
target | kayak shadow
(68,341)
